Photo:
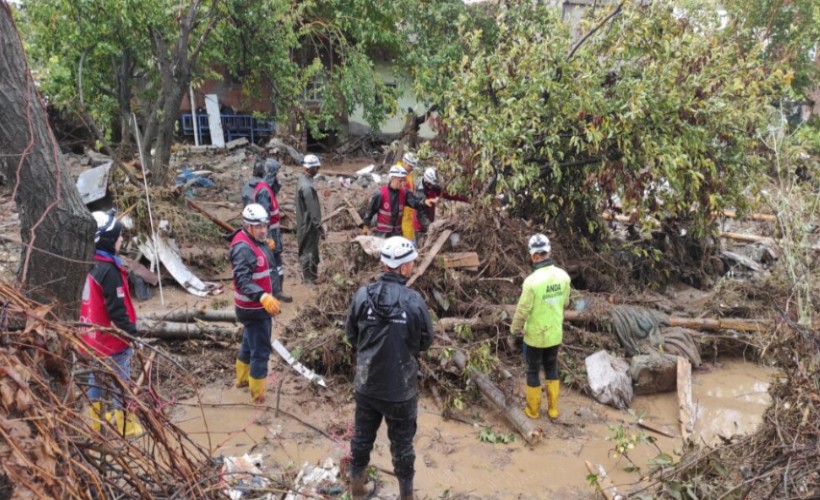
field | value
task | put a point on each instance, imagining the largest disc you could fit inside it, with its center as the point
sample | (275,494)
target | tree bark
(56,228)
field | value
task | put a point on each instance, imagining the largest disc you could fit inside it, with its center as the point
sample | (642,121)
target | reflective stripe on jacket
(260,276)
(94,310)
(273,210)
(540,310)
(384,221)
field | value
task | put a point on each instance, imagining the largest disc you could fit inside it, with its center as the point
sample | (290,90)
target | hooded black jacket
(388,325)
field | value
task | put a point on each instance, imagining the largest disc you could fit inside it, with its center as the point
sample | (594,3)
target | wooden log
(657,430)
(748,238)
(459,259)
(714,324)
(685,397)
(227,315)
(523,424)
(224,225)
(185,331)
(732,214)
(442,239)
(446,324)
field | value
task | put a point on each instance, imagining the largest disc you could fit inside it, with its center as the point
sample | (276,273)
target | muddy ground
(314,423)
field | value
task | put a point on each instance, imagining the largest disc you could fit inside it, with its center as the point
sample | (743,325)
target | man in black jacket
(389,326)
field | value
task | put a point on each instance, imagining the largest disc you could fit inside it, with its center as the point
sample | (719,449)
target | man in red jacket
(106,303)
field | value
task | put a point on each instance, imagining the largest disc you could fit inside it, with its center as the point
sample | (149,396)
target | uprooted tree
(56,228)
(650,108)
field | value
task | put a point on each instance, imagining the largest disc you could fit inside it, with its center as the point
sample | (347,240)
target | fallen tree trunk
(714,324)
(224,225)
(227,315)
(186,331)
(493,394)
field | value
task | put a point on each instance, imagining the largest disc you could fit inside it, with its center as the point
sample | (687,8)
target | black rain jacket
(389,326)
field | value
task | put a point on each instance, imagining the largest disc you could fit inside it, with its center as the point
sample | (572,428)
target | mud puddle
(450,460)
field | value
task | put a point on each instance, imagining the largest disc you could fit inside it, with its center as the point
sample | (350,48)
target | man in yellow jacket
(540,316)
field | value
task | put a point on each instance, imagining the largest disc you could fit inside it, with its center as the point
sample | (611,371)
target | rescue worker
(254,299)
(262,188)
(387,205)
(389,326)
(107,302)
(540,316)
(308,220)
(428,188)
(409,219)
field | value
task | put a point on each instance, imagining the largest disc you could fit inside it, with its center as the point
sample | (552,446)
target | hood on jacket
(384,297)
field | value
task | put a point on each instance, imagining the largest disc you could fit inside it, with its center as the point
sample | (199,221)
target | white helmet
(430,175)
(396,251)
(255,215)
(311,161)
(410,159)
(107,225)
(539,244)
(397,171)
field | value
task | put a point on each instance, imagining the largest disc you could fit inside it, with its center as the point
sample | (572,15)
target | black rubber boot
(406,489)
(281,295)
(357,485)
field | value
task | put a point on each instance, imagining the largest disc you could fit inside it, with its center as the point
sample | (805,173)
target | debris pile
(49,449)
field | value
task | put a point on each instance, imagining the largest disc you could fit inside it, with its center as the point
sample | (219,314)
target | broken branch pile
(50,450)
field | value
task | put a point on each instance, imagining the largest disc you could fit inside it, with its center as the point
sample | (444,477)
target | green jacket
(540,310)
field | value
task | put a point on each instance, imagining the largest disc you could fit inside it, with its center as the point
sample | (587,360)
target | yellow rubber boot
(552,398)
(243,371)
(257,386)
(127,425)
(94,412)
(533,409)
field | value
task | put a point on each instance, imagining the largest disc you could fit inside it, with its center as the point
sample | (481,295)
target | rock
(364,180)
(609,380)
(654,373)
(242,141)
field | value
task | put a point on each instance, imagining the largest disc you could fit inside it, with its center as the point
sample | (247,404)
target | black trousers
(256,347)
(538,357)
(401,429)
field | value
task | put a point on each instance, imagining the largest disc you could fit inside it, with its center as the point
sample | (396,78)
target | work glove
(270,304)
(365,230)
(271,244)
(430,201)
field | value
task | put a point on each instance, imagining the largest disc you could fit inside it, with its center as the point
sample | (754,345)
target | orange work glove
(270,304)
(365,230)
(271,244)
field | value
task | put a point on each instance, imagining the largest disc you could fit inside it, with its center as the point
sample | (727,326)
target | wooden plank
(356,217)
(605,485)
(430,256)
(333,214)
(685,397)
(459,259)
(748,238)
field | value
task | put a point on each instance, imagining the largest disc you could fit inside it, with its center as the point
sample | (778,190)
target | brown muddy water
(729,397)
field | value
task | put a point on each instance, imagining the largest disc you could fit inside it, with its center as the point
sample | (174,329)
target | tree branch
(605,20)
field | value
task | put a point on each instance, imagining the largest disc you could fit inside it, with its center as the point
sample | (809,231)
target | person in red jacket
(387,205)
(254,299)
(106,302)
(429,189)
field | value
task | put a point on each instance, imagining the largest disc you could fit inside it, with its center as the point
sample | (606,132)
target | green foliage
(488,435)
(658,109)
